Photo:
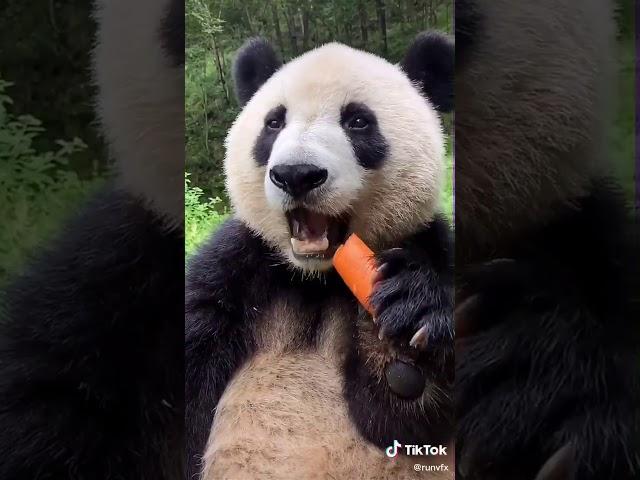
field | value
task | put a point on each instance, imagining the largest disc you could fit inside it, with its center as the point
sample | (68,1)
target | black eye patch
(361,126)
(274,123)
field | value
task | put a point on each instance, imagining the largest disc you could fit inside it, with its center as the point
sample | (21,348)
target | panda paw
(529,379)
(412,304)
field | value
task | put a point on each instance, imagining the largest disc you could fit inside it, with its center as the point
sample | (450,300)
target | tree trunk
(315,41)
(223,80)
(362,13)
(276,26)
(404,14)
(305,26)
(292,34)
(347,22)
(382,21)
(249,22)
(205,106)
(447,19)
(433,14)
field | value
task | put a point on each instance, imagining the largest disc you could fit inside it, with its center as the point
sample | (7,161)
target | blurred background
(217,28)
(51,153)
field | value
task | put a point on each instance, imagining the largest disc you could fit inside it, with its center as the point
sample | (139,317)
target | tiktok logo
(392,451)
(415,450)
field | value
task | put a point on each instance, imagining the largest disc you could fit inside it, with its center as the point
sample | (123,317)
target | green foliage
(46,53)
(622,131)
(447,192)
(200,216)
(37,187)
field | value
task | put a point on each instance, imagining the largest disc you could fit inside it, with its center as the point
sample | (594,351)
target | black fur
(229,282)
(91,377)
(369,145)
(551,356)
(468,25)
(172,32)
(266,139)
(430,62)
(254,64)
(416,289)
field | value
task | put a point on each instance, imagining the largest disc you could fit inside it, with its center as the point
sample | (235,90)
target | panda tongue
(309,232)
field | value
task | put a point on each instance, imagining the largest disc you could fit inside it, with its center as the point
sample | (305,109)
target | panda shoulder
(229,259)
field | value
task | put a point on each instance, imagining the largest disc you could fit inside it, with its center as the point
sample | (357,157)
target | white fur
(323,144)
(531,111)
(386,204)
(283,416)
(141,103)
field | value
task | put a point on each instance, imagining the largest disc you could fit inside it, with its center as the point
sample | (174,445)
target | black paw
(412,302)
(490,290)
(538,388)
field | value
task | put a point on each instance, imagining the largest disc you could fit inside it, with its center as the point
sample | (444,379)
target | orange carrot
(354,263)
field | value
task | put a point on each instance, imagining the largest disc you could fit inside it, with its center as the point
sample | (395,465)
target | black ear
(255,62)
(430,62)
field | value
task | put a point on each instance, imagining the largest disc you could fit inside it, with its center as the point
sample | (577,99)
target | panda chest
(283,415)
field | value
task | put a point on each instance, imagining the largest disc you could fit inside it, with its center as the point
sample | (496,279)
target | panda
(546,375)
(91,358)
(286,376)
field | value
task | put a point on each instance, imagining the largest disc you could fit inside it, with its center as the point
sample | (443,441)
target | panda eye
(358,123)
(274,124)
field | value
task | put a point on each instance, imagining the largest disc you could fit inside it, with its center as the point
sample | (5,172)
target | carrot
(354,263)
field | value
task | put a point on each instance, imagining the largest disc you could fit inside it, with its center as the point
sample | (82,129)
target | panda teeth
(305,247)
(297,228)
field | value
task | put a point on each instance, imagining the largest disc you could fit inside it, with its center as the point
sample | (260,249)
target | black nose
(299,179)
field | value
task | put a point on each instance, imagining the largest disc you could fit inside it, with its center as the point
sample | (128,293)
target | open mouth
(314,235)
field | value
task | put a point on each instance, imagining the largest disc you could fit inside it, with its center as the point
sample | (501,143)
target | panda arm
(84,351)
(218,324)
(416,291)
(550,355)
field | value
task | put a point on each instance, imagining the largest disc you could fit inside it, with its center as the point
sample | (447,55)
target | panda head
(138,64)
(337,141)
(531,82)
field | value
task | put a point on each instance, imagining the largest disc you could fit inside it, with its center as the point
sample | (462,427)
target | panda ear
(430,62)
(255,62)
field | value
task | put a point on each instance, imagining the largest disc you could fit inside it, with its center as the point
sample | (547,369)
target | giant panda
(546,256)
(91,359)
(285,373)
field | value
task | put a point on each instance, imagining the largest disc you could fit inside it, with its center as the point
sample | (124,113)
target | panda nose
(299,179)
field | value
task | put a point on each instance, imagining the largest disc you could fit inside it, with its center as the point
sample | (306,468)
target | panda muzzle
(313,233)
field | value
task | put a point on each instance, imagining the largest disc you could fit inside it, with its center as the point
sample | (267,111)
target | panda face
(334,142)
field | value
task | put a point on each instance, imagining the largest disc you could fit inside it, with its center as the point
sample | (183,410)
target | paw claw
(559,466)
(419,339)
(381,272)
(381,333)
